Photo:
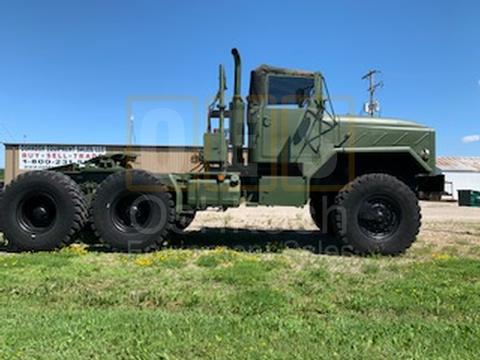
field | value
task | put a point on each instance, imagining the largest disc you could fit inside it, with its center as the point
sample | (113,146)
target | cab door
(286,118)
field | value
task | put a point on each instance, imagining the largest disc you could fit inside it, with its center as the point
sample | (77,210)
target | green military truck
(283,146)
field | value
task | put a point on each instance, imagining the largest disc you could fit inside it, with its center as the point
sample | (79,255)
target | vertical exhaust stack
(238,72)
(237,115)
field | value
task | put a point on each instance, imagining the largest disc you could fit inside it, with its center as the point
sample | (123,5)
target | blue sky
(68,68)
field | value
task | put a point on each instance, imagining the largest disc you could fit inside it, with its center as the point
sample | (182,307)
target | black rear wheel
(133,211)
(42,210)
(377,213)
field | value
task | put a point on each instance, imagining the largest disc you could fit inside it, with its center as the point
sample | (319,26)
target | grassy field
(219,303)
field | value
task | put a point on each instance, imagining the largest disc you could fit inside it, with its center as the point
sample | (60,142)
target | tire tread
(357,185)
(72,188)
(146,176)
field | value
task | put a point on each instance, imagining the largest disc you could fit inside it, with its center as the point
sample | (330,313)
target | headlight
(425,154)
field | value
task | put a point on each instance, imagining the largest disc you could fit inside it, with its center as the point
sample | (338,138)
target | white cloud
(470,139)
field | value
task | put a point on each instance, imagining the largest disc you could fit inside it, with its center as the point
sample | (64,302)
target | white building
(461,173)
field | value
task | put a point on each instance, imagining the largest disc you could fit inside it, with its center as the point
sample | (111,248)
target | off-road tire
(115,230)
(356,203)
(64,200)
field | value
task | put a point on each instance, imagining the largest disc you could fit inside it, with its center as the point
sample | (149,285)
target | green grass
(221,304)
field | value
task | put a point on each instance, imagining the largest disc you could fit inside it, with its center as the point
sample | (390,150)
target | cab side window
(289,90)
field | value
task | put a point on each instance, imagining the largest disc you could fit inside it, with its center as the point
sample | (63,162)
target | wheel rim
(379,217)
(37,212)
(132,212)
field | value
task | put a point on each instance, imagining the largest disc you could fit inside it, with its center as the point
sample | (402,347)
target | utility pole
(131,130)
(372,106)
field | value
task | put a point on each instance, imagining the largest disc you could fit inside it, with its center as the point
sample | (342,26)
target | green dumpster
(468,198)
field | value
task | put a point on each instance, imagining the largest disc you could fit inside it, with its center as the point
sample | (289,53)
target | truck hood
(369,134)
(381,122)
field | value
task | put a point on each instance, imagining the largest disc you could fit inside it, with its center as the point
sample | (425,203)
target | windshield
(289,90)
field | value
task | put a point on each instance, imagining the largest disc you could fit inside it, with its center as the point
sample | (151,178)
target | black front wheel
(377,213)
(42,210)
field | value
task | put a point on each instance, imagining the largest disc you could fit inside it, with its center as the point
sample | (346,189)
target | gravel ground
(450,212)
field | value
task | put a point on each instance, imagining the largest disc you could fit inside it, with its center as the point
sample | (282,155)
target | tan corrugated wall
(161,159)
(166,160)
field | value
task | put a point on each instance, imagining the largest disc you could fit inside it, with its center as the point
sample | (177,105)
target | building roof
(130,146)
(459,163)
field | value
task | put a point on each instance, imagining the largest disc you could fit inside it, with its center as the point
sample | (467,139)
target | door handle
(266,121)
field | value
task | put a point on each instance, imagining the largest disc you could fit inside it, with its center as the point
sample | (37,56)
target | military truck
(282,145)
